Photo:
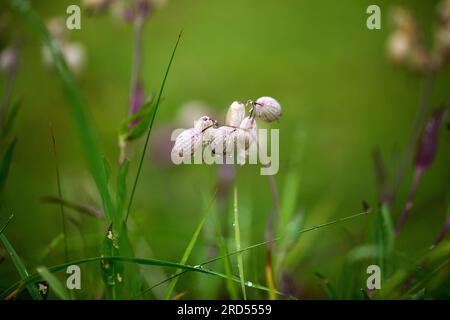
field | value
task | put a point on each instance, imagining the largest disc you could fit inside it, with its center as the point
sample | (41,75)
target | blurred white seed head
(235,114)
(399,46)
(203,123)
(442,34)
(267,109)
(73,52)
(57,28)
(9,59)
(444,11)
(75,56)
(96,5)
(403,20)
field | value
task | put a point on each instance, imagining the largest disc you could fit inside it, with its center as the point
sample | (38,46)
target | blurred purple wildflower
(424,157)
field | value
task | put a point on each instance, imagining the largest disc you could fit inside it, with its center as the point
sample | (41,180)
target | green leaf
(5,163)
(121,192)
(53,282)
(20,267)
(384,239)
(134,126)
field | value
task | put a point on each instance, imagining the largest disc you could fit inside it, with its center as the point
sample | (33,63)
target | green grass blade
(6,163)
(86,132)
(149,262)
(11,116)
(20,267)
(187,251)
(61,207)
(6,224)
(329,289)
(384,238)
(237,237)
(53,283)
(121,192)
(150,126)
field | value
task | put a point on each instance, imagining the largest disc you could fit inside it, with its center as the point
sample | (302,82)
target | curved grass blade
(53,283)
(20,267)
(188,250)
(150,262)
(6,224)
(150,126)
(5,164)
(237,237)
(61,207)
(10,117)
(264,243)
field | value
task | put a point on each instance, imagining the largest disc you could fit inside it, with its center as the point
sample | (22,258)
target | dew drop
(249,284)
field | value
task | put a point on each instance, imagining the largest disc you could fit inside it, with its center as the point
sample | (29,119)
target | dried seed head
(267,109)
(235,114)
(203,123)
(187,143)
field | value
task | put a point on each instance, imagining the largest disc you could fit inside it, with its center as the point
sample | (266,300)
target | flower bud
(235,114)
(204,123)
(267,109)
(187,143)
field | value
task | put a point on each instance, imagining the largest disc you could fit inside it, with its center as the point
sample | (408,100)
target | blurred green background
(331,76)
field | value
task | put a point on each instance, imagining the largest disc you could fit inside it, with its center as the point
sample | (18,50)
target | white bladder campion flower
(267,109)
(248,133)
(191,140)
(222,142)
(237,138)
(235,114)
(187,143)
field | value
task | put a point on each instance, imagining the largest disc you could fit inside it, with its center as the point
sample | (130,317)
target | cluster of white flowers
(237,135)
